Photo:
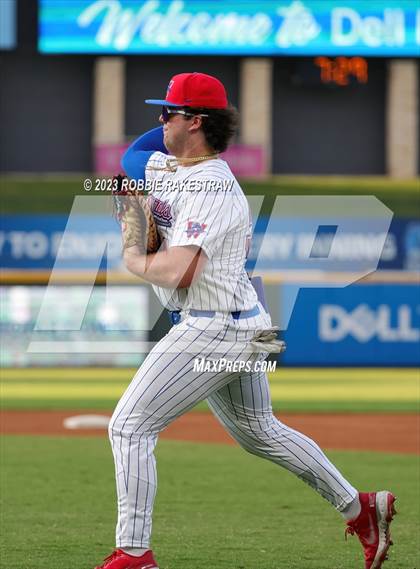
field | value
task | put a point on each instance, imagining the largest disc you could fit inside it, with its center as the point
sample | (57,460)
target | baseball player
(198,273)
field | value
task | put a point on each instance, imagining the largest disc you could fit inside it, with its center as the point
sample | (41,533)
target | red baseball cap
(193,90)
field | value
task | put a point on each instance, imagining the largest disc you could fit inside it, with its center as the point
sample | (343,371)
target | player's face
(175,132)
(176,129)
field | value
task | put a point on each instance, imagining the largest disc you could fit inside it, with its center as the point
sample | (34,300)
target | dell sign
(370,324)
(283,27)
(364,324)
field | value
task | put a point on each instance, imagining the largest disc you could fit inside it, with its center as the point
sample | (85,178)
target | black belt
(175,315)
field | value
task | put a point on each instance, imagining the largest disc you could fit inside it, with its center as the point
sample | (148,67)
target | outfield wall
(364,324)
(373,322)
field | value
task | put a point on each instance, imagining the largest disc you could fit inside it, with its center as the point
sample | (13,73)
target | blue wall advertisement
(285,245)
(288,27)
(33,241)
(370,324)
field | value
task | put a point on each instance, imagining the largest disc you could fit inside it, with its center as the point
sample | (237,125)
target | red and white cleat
(120,560)
(372,526)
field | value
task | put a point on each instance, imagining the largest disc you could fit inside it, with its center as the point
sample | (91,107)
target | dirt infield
(378,432)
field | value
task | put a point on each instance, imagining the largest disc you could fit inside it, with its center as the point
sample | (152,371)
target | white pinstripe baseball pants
(166,386)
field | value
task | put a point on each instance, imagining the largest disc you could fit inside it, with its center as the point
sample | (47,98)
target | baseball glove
(132,210)
(267,341)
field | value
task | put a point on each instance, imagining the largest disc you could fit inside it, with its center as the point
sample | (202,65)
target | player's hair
(219,127)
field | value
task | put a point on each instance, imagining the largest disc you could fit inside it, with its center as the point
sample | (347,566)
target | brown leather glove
(133,211)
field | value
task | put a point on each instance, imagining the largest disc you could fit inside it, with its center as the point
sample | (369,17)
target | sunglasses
(168,111)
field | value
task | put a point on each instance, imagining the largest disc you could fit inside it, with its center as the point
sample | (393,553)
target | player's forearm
(155,268)
(168,269)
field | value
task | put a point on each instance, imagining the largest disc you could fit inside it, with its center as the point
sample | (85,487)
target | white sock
(134,551)
(352,510)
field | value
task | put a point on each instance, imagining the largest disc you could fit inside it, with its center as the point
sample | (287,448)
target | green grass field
(217,508)
(292,389)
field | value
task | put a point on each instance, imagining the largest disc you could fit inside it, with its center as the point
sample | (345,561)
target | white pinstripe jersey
(216,219)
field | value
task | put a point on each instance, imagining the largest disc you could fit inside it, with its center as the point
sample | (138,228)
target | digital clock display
(342,71)
(330,71)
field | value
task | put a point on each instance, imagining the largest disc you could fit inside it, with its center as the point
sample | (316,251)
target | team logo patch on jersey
(162,212)
(194,229)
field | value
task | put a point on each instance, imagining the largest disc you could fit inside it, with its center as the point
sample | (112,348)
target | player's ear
(196,122)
